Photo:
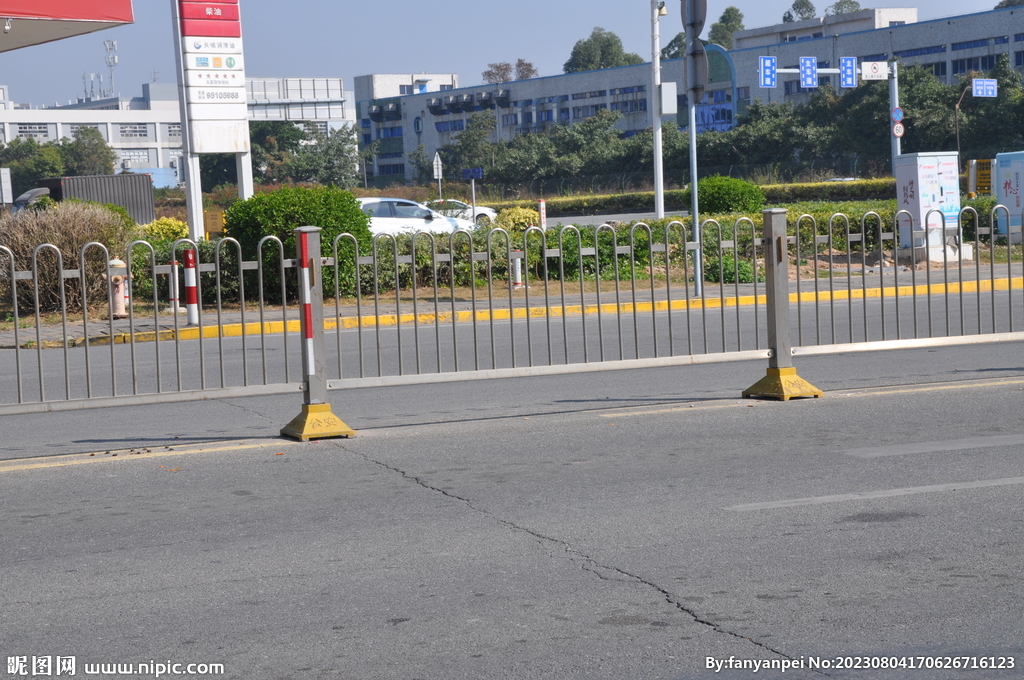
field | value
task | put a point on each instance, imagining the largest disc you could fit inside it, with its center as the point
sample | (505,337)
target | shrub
(165,229)
(68,225)
(726,195)
(729,270)
(279,212)
(516,220)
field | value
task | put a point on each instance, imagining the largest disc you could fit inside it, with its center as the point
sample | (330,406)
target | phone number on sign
(912,662)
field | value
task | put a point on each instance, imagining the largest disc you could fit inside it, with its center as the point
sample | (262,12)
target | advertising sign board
(213,73)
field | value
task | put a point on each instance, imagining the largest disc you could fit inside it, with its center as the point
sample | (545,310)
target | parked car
(453,208)
(398,215)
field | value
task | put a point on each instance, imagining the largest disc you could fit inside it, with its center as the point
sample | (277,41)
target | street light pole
(956,113)
(657,10)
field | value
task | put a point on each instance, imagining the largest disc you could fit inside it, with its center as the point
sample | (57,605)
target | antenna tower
(111,60)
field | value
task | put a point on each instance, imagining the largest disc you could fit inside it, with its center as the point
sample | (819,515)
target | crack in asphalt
(590,564)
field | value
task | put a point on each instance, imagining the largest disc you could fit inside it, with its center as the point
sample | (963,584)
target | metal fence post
(781,381)
(316,421)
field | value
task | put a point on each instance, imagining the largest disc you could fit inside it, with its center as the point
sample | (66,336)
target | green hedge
(643,201)
(279,212)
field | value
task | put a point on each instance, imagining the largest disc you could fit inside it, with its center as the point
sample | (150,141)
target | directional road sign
(808,72)
(847,71)
(769,71)
(985,87)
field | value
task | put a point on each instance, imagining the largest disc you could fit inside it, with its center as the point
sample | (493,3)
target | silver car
(399,215)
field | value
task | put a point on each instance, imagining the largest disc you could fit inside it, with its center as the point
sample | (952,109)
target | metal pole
(698,263)
(190,161)
(659,180)
(472,189)
(691,105)
(894,103)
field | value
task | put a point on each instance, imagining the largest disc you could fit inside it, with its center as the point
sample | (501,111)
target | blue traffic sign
(847,71)
(769,71)
(897,115)
(985,87)
(472,173)
(808,72)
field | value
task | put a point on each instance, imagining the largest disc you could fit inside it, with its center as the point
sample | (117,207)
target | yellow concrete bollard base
(784,384)
(316,422)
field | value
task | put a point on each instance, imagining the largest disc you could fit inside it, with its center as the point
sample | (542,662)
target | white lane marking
(932,447)
(868,495)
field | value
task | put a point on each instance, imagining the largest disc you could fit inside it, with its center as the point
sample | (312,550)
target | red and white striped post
(191,294)
(316,421)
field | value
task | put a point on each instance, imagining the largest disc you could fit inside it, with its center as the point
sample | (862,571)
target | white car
(398,215)
(453,208)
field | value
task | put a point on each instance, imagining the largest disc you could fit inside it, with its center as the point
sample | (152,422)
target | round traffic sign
(898,129)
(897,115)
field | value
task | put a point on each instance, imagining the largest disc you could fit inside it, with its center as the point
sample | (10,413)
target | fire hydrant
(118,284)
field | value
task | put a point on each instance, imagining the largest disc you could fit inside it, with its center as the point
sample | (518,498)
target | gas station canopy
(33,22)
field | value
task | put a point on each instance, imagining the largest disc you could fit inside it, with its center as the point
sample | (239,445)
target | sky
(342,38)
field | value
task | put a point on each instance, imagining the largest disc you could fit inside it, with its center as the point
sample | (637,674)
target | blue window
(921,51)
(450,125)
(510,119)
(1001,40)
(396,169)
(970,44)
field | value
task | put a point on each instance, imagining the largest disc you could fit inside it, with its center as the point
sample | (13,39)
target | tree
(603,49)
(800,11)
(87,154)
(472,147)
(497,73)
(30,161)
(525,70)
(273,144)
(722,30)
(676,48)
(501,72)
(331,159)
(1009,3)
(842,7)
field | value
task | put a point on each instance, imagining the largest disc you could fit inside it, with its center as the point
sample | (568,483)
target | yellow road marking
(134,454)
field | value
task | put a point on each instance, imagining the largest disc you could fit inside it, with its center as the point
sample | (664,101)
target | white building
(395,111)
(434,117)
(146,131)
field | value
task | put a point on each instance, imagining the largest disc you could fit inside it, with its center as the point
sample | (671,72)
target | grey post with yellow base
(316,420)
(781,381)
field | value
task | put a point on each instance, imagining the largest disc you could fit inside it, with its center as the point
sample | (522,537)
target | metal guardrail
(431,308)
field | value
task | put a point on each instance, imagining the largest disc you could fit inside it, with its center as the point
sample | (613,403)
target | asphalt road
(620,525)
